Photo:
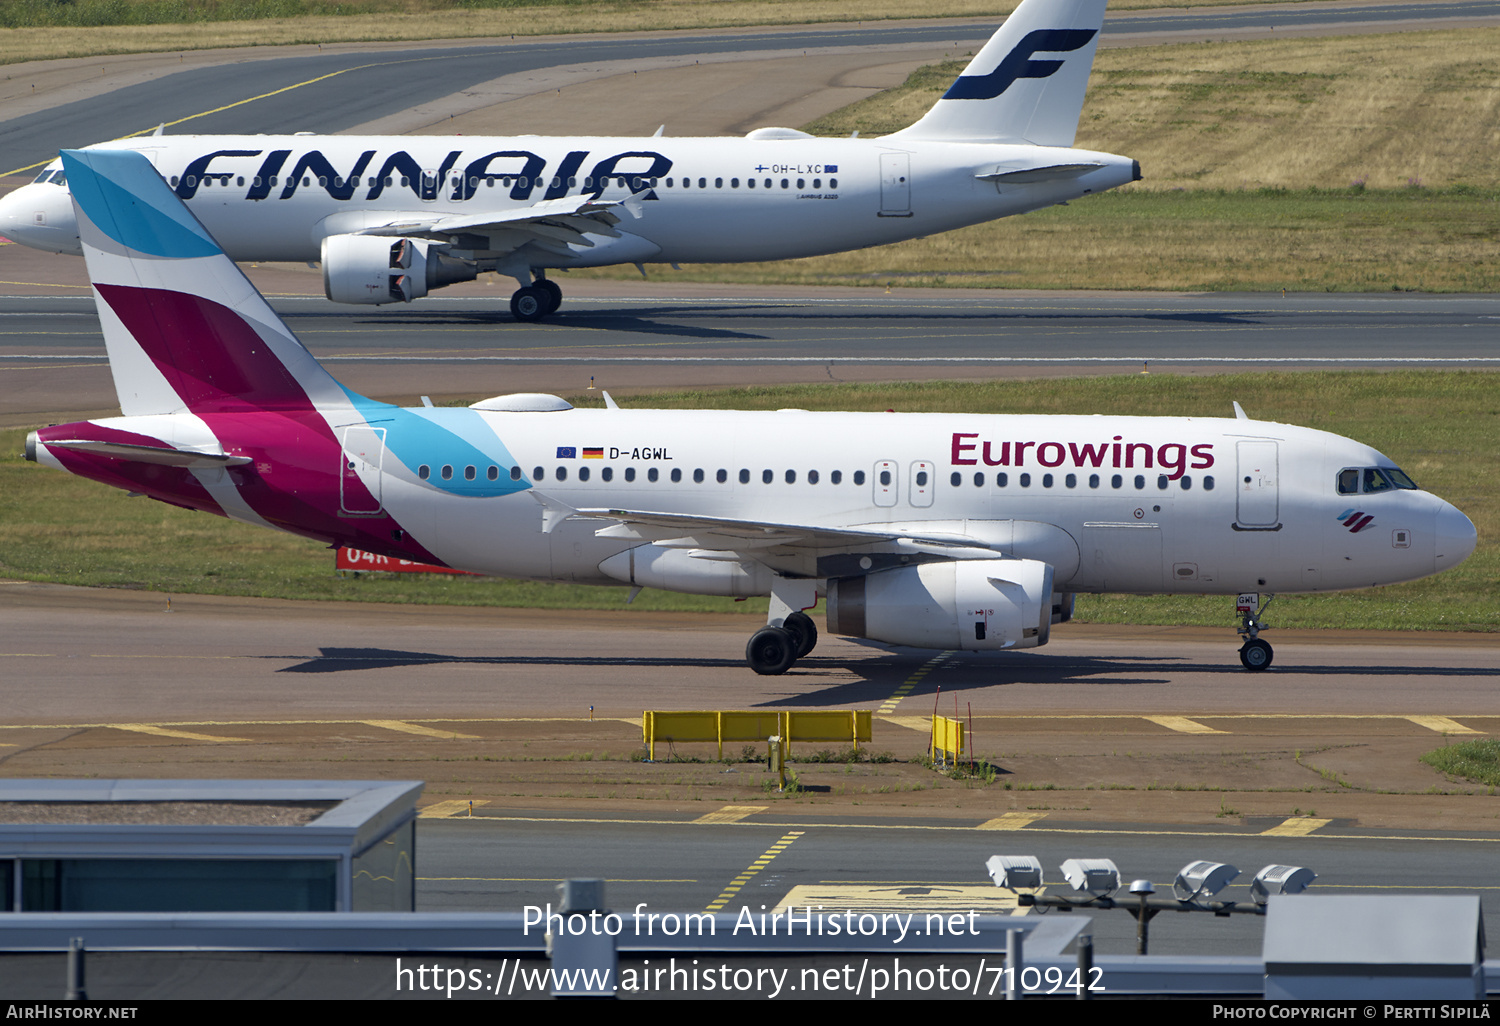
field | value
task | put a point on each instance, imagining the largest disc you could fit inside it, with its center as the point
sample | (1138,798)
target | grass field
(54,527)
(1346,164)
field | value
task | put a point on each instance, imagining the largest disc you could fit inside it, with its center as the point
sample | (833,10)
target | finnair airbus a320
(393,218)
(949,531)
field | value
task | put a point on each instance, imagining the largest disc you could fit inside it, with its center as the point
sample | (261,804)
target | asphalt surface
(661,335)
(356,86)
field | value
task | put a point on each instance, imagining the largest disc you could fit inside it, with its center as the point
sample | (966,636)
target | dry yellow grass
(1284,113)
(1213,125)
(1304,113)
(427,20)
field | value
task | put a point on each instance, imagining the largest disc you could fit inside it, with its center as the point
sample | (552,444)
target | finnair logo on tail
(1018,63)
(1356,520)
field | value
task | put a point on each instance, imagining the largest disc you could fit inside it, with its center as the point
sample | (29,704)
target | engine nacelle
(971,604)
(652,566)
(371,270)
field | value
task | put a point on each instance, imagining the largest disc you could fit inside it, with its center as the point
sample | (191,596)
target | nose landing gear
(1255,653)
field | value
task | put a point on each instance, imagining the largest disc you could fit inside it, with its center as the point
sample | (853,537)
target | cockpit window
(1399,479)
(51,174)
(1353,480)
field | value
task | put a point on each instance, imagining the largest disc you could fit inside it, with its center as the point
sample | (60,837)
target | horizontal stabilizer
(188,458)
(1051,173)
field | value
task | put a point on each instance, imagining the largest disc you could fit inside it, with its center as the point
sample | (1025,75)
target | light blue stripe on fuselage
(448,437)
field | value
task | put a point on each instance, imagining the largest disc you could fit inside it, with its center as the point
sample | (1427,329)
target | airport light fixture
(1202,879)
(1280,880)
(1099,878)
(1012,872)
(1096,880)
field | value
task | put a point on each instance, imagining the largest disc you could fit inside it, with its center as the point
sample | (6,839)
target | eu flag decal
(567,452)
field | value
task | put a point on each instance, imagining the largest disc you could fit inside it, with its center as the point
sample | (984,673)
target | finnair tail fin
(184,328)
(1027,84)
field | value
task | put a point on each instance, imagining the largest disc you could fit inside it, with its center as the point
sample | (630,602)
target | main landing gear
(773,650)
(536,301)
(1255,653)
(789,633)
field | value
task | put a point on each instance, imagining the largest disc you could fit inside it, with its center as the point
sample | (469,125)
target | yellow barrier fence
(850,726)
(947,740)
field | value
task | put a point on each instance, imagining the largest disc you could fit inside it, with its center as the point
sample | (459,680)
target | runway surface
(654,337)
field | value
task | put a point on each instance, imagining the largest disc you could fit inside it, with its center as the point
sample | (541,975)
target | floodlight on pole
(1015,871)
(1202,879)
(1280,880)
(1097,877)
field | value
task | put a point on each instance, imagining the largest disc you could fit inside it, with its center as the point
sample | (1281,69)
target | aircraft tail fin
(184,328)
(1027,84)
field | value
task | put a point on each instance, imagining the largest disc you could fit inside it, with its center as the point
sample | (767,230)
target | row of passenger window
(505,181)
(1163,481)
(675,475)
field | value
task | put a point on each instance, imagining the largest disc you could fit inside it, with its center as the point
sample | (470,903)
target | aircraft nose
(40,216)
(1454,538)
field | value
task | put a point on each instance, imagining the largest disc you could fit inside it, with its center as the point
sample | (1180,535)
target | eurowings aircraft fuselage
(932,530)
(1117,504)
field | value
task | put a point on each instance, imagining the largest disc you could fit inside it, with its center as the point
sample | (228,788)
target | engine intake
(369,270)
(971,604)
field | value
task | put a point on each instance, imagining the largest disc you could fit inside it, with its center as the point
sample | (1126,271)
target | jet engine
(971,604)
(371,270)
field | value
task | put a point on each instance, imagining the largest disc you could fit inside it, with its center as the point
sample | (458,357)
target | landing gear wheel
(771,651)
(530,303)
(552,289)
(803,630)
(1256,655)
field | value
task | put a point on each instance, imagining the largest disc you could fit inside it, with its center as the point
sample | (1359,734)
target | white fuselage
(713,200)
(1119,504)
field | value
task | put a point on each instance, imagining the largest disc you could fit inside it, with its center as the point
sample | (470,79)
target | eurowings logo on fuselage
(1356,520)
(1018,63)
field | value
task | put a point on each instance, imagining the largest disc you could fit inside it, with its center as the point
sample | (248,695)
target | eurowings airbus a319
(391,219)
(954,531)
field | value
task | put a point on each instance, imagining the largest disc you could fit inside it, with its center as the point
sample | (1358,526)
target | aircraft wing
(567,220)
(676,530)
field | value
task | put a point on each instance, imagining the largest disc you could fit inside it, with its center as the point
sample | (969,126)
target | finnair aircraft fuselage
(696,200)
(391,219)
